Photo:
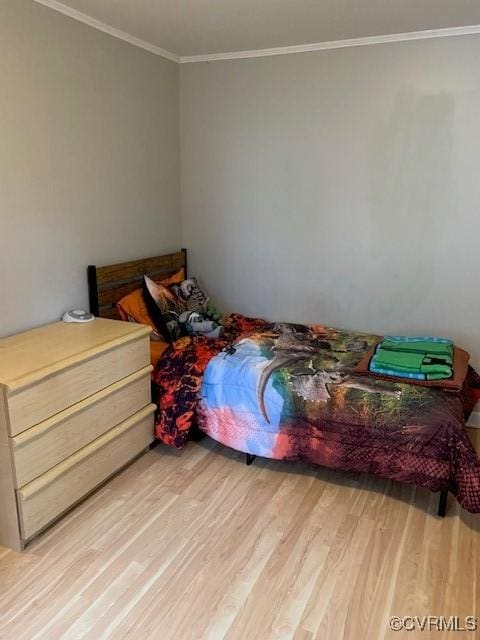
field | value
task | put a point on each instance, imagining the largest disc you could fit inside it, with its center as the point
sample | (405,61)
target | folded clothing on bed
(441,347)
(408,375)
(414,358)
(432,371)
(423,363)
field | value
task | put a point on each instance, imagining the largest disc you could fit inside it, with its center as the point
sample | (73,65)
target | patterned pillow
(192,295)
(164,308)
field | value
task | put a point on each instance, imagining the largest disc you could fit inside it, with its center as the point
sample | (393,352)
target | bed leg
(250,459)
(195,434)
(442,503)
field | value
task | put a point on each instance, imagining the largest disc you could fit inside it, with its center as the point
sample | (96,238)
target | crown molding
(335,44)
(101,26)
(258,53)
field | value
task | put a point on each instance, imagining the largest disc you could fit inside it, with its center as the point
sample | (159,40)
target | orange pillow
(132,308)
(177,278)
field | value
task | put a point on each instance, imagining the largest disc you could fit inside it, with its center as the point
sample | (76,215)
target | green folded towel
(436,370)
(407,362)
(439,376)
(427,346)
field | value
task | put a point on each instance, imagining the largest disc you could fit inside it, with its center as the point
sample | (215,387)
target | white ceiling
(199,27)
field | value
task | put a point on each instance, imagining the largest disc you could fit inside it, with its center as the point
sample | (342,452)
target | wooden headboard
(107,285)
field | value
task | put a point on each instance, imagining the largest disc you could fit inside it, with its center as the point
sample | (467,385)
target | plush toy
(196,299)
(212,312)
(197,324)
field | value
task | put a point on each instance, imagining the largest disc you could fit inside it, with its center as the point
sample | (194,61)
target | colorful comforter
(287,392)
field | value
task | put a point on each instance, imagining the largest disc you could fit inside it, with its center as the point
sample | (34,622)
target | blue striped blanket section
(396,374)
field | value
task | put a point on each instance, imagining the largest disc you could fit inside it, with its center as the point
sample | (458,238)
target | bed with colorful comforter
(288,391)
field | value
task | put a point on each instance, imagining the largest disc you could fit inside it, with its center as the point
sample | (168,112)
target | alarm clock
(78,315)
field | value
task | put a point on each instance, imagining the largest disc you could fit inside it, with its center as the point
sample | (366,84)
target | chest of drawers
(74,408)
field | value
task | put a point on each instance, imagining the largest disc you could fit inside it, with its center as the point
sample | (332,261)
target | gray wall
(88,159)
(339,187)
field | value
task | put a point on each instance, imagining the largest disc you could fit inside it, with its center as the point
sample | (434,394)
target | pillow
(177,278)
(132,308)
(164,308)
(191,294)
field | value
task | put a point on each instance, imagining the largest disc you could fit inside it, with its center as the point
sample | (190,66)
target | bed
(288,391)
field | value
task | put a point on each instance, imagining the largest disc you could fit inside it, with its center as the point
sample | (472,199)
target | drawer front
(34,404)
(46,498)
(40,448)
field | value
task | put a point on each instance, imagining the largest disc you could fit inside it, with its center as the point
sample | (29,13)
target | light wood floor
(199,545)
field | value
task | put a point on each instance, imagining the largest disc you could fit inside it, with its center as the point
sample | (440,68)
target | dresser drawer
(46,498)
(36,403)
(40,448)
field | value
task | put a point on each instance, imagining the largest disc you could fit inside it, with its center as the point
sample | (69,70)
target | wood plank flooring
(197,546)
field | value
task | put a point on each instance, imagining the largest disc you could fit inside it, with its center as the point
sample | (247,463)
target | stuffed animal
(196,299)
(196,324)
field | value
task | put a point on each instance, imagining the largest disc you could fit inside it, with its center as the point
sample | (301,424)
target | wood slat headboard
(109,284)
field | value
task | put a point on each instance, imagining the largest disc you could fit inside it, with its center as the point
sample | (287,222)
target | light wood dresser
(75,407)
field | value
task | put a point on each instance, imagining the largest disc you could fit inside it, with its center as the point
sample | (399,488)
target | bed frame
(109,284)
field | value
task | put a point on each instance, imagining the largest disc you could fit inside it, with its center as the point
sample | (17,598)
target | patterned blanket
(286,391)
(179,373)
